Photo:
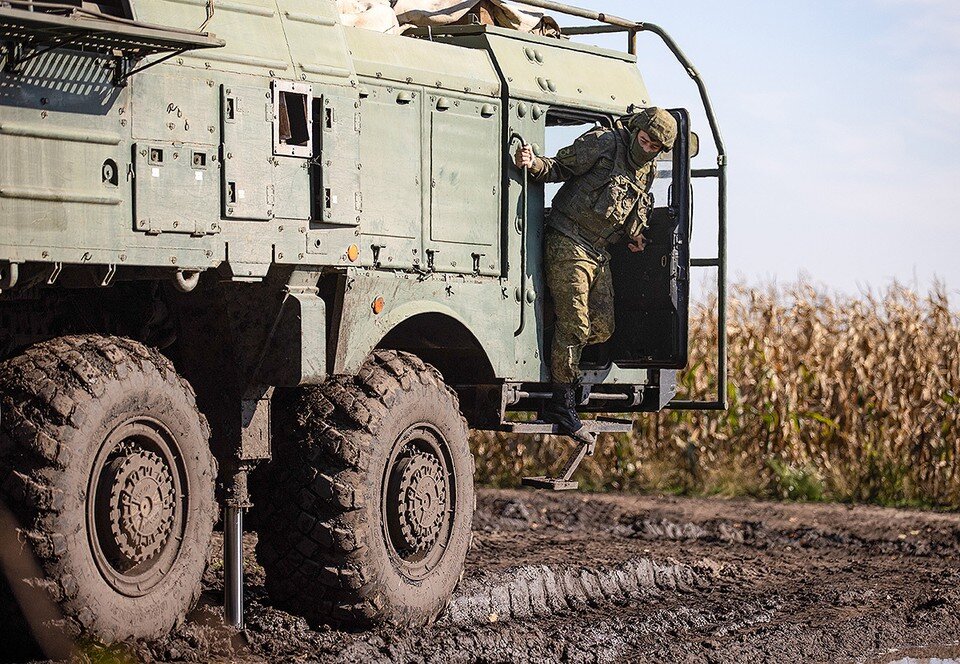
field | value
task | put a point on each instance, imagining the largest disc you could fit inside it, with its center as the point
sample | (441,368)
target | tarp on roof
(398,15)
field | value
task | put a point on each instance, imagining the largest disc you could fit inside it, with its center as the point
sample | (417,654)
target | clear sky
(842,124)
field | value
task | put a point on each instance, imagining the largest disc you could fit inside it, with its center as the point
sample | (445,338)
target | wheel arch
(435,333)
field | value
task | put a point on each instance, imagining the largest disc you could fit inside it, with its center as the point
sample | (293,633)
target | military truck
(235,233)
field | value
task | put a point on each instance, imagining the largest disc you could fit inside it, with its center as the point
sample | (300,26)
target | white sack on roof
(370,14)
(389,15)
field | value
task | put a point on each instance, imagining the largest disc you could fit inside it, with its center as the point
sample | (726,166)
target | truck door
(652,288)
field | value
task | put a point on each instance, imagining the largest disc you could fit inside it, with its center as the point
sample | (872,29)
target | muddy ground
(589,578)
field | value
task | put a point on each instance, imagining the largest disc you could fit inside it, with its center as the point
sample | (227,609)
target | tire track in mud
(587,578)
(540,591)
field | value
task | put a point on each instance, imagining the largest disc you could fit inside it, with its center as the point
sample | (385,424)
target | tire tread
(332,427)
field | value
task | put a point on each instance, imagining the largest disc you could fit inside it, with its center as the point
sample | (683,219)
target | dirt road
(571,577)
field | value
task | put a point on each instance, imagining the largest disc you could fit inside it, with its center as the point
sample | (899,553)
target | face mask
(638,155)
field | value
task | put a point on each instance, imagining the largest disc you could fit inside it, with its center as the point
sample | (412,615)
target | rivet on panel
(378,305)
(353,253)
(522,110)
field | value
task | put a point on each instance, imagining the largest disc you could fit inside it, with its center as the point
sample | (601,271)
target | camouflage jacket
(604,197)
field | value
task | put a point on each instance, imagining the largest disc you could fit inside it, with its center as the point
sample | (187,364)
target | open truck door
(652,287)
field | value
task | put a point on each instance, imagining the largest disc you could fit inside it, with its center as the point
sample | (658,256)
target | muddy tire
(105,466)
(365,511)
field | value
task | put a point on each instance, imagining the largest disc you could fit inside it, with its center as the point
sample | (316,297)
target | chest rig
(608,202)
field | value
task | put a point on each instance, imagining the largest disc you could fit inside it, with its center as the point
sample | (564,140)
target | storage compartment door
(465,149)
(248,162)
(391,198)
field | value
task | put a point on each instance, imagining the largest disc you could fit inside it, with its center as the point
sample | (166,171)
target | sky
(841,120)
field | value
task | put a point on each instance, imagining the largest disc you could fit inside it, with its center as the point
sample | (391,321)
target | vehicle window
(563,128)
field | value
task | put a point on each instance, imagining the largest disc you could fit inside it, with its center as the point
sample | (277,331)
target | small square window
(293,130)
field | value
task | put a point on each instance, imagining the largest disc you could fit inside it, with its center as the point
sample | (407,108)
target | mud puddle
(575,578)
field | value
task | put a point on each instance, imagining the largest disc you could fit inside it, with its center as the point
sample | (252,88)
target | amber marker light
(353,253)
(378,305)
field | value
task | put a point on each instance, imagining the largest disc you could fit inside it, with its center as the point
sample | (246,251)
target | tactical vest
(608,202)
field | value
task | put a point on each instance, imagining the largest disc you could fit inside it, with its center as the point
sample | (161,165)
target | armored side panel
(430,154)
(431,163)
(557,73)
(282,58)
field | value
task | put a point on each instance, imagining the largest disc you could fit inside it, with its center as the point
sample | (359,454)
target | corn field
(831,398)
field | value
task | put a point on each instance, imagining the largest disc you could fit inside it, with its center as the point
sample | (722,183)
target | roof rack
(614,24)
(30,29)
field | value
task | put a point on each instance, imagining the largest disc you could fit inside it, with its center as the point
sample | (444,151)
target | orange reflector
(378,305)
(353,253)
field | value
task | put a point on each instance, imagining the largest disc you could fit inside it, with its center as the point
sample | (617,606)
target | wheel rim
(136,506)
(418,501)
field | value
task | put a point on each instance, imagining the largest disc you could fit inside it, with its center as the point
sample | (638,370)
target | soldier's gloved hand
(524,157)
(637,243)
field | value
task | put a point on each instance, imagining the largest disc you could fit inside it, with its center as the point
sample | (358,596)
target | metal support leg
(238,500)
(233,566)
(254,436)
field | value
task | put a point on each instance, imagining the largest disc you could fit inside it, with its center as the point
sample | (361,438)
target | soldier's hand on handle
(637,243)
(524,157)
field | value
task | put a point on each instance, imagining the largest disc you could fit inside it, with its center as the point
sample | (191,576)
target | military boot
(561,410)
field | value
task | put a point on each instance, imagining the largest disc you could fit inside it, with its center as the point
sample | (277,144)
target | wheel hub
(141,505)
(423,501)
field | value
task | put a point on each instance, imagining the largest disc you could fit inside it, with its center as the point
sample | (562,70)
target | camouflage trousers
(582,290)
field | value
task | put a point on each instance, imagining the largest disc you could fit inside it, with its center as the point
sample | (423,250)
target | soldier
(607,176)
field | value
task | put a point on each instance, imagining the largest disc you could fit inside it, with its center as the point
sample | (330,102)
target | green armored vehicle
(237,233)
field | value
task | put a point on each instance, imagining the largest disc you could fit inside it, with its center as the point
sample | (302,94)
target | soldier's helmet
(658,123)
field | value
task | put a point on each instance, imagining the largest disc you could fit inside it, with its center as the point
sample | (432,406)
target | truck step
(584,449)
(599,425)
(550,483)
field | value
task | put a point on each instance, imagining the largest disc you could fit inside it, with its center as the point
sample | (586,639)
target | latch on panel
(476,262)
(376,253)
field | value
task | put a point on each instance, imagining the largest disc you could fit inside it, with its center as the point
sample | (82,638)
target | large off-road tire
(105,465)
(365,511)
